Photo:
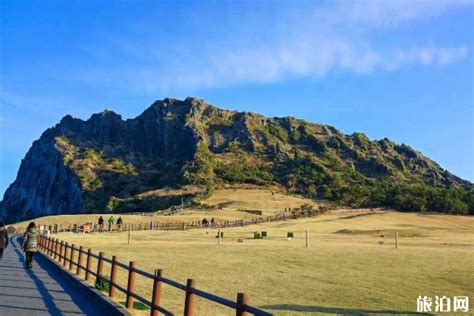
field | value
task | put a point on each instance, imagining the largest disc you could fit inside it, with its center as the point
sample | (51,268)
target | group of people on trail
(205,222)
(29,244)
(111,222)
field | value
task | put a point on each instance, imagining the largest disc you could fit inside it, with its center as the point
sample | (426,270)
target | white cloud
(425,56)
(389,13)
(311,42)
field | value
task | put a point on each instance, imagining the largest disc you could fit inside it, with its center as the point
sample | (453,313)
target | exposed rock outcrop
(87,166)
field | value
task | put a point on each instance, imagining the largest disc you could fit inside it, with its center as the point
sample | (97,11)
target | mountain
(86,166)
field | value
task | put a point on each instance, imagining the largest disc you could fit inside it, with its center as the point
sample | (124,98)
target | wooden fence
(65,254)
(153,225)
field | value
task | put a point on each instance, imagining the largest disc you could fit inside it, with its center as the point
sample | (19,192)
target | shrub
(102,284)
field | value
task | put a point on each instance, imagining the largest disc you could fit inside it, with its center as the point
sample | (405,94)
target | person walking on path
(101,223)
(30,244)
(3,239)
(111,222)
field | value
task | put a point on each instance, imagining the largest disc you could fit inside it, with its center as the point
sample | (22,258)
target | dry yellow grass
(338,273)
(269,201)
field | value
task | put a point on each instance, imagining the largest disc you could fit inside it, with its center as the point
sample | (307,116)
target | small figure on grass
(111,222)
(101,223)
(119,223)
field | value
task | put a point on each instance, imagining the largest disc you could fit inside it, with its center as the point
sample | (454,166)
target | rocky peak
(79,166)
(105,115)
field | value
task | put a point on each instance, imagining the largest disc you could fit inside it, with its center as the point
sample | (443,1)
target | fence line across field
(72,258)
(154,225)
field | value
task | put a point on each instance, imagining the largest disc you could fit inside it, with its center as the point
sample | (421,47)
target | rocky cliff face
(106,162)
(44,185)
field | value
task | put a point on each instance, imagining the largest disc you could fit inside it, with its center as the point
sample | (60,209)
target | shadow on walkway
(46,296)
(53,293)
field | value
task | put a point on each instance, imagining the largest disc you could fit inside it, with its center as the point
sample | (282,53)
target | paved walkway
(38,291)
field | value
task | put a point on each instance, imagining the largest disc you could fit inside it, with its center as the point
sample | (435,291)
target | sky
(397,69)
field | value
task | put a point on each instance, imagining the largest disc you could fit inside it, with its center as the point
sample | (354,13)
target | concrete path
(39,291)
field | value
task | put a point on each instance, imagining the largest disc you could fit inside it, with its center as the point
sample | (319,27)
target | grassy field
(344,270)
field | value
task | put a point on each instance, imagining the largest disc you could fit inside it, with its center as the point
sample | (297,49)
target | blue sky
(397,69)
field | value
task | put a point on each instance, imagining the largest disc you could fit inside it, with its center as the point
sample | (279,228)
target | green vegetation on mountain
(106,162)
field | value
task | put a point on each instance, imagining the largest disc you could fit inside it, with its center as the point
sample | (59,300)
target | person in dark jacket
(101,223)
(3,239)
(119,223)
(30,244)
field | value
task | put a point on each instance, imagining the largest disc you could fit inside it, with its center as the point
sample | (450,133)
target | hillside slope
(107,162)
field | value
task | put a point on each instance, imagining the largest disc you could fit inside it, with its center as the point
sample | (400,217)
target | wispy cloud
(312,42)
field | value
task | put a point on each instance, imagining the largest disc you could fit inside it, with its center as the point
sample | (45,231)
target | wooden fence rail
(65,255)
(153,225)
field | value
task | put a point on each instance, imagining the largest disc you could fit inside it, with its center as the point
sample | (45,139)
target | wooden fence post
(88,265)
(51,246)
(190,298)
(47,245)
(65,259)
(100,268)
(56,246)
(396,240)
(129,234)
(219,236)
(242,302)
(71,257)
(62,260)
(79,261)
(113,277)
(130,285)
(61,251)
(307,238)
(66,254)
(156,298)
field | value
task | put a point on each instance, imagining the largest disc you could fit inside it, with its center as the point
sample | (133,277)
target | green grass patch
(102,285)
(138,306)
